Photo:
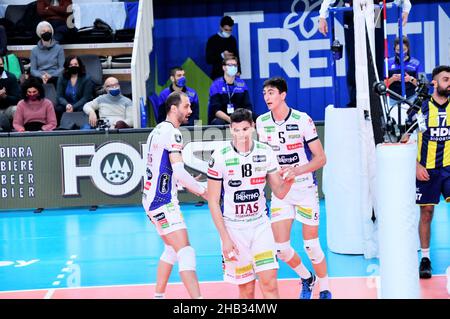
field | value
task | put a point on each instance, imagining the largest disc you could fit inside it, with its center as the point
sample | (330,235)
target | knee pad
(169,255)
(285,251)
(186,259)
(313,250)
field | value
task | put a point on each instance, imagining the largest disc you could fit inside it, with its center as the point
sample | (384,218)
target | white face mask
(226,34)
(232,70)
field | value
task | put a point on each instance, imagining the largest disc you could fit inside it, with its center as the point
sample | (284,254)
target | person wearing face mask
(220,46)
(47,57)
(57,13)
(34,112)
(74,90)
(9,96)
(412,69)
(112,107)
(227,94)
(178,79)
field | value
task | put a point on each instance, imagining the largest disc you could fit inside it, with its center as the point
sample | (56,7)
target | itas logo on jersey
(291,127)
(287,159)
(246,196)
(295,146)
(259,158)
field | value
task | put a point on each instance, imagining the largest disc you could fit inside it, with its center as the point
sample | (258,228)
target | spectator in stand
(227,94)
(47,57)
(178,78)
(9,95)
(412,69)
(112,107)
(34,112)
(58,14)
(220,46)
(75,88)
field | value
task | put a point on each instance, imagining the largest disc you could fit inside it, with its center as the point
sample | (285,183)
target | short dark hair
(241,115)
(439,69)
(226,20)
(405,42)
(276,82)
(66,73)
(174,98)
(224,62)
(175,69)
(33,83)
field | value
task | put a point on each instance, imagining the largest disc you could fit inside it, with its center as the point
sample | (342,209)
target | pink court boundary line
(341,287)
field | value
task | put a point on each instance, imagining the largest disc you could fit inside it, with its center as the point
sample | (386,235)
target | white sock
(425,252)
(302,271)
(323,283)
(159,295)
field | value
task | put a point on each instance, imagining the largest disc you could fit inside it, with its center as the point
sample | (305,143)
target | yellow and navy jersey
(433,145)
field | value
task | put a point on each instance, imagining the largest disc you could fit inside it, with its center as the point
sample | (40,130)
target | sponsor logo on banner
(212,172)
(115,168)
(17,172)
(246,196)
(294,146)
(257,180)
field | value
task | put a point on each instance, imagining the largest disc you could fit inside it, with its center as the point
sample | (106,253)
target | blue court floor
(119,246)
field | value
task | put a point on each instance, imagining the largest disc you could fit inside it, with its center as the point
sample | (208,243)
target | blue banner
(282,38)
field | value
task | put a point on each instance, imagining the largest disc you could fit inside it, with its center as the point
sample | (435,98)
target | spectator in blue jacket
(227,94)
(75,88)
(412,69)
(178,79)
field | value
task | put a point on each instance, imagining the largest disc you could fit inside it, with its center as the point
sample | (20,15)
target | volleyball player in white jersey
(293,137)
(164,168)
(237,176)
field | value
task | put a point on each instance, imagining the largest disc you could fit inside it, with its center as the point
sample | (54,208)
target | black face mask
(74,70)
(46,36)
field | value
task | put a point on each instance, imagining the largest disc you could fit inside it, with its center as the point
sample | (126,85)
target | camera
(103,124)
(422,90)
(337,48)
